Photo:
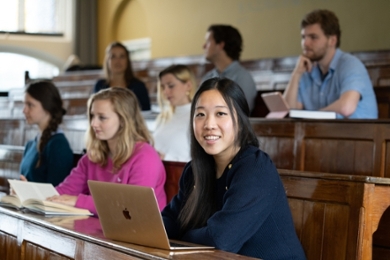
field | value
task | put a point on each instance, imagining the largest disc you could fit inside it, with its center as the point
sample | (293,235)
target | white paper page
(32,190)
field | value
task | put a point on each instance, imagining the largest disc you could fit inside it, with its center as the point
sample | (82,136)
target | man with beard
(222,47)
(326,78)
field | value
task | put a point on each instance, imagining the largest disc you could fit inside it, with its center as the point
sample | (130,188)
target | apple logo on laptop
(126,213)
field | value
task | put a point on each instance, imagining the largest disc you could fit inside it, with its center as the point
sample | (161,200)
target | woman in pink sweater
(118,151)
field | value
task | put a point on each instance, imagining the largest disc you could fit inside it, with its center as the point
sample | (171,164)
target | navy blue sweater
(56,164)
(253,216)
(137,86)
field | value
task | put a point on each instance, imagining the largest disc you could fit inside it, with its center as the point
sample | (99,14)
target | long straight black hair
(200,204)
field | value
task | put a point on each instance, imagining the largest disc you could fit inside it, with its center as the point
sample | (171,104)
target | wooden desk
(30,236)
(335,215)
(357,147)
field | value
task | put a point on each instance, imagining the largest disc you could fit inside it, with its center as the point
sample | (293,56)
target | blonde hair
(182,73)
(132,127)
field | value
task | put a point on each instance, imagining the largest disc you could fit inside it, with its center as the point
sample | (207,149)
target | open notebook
(130,214)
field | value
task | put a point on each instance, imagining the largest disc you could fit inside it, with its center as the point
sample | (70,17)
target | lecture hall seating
(293,144)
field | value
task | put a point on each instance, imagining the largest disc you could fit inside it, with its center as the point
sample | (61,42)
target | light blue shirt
(346,72)
(241,76)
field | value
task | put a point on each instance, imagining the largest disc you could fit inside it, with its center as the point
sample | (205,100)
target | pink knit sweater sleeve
(76,184)
(145,168)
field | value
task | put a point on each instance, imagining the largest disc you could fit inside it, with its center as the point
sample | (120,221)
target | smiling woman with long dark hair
(230,195)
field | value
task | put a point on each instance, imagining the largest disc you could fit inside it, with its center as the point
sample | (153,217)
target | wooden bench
(357,147)
(25,236)
(270,74)
(335,216)
(10,158)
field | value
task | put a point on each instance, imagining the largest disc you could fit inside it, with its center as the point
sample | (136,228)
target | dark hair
(129,74)
(230,36)
(201,202)
(327,20)
(49,97)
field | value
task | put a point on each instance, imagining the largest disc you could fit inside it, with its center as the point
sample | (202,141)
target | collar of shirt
(231,68)
(315,74)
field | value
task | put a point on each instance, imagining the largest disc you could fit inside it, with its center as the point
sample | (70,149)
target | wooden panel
(31,251)
(326,214)
(92,251)
(36,242)
(173,171)
(280,149)
(338,156)
(11,132)
(312,230)
(10,158)
(8,246)
(335,239)
(76,106)
(356,147)
(386,158)
(79,75)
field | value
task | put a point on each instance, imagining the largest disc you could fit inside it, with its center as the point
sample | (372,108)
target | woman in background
(176,88)
(118,151)
(231,196)
(48,158)
(119,73)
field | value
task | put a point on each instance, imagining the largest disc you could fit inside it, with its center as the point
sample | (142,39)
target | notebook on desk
(130,214)
(279,108)
(276,104)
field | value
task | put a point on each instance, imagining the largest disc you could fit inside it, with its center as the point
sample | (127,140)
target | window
(13,67)
(32,16)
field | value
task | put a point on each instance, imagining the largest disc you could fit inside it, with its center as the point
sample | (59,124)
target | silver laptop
(130,214)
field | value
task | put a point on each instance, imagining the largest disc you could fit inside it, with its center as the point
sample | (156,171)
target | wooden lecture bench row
(359,147)
(26,236)
(269,75)
(329,210)
(335,217)
(76,104)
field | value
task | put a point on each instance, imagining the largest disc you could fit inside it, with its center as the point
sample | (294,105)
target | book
(32,196)
(313,114)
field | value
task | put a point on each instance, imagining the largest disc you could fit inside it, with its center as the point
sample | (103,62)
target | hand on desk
(64,199)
